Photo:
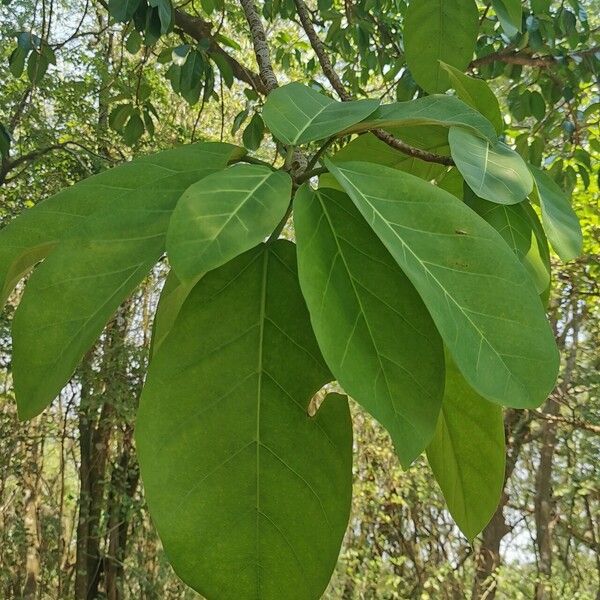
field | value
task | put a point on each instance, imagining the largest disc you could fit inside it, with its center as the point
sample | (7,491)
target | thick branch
(200,29)
(261,48)
(331,74)
(319,50)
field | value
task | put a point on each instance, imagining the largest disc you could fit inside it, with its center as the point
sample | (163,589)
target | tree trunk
(487,558)
(123,486)
(544,502)
(32,525)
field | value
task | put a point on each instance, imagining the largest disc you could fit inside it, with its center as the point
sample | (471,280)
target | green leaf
(510,15)
(134,129)
(446,111)
(37,65)
(296,114)
(436,30)
(16,61)
(467,454)
(165,13)
(519,227)
(104,233)
(224,68)
(537,105)
(119,115)
(235,470)
(122,10)
(372,327)
(476,93)
(558,217)
(36,232)
(480,297)
(224,215)
(5,140)
(254,132)
(492,170)
(369,148)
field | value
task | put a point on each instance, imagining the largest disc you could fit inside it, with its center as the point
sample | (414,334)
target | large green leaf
(224,215)
(467,454)
(492,170)
(72,294)
(558,217)
(476,93)
(519,226)
(481,298)
(438,109)
(249,494)
(32,236)
(296,114)
(369,148)
(373,328)
(437,30)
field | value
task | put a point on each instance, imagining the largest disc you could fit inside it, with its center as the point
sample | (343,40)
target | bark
(31,509)
(124,483)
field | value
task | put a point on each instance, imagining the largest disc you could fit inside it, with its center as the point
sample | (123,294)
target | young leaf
(254,133)
(466,454)
(372,327)
(492,170)
(296,114)
(235,470)
(521,230)
(446,111)
(32,236)
(476,93)
(69,298)
(224,215)
(437,30)
(510,15)
(479,295)
(558,217)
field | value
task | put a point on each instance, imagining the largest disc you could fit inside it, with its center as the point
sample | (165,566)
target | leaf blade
(296,114)
(437,30)
(224,215)
(514,366)
(558,217)
(246,456)
(371,326)
(467,454)
(493,171)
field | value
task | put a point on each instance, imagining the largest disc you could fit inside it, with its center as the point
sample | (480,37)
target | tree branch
(509,56)
(199,29)
(261,48)
(319,49)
